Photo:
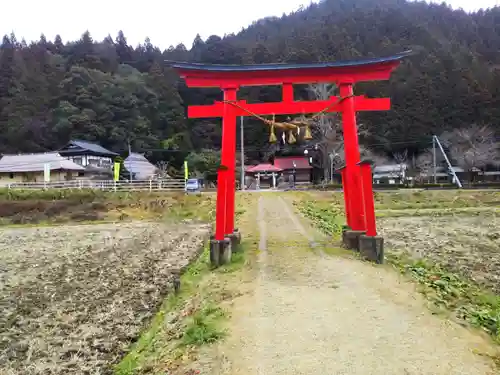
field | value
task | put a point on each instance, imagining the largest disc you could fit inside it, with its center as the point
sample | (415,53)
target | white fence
(172,184)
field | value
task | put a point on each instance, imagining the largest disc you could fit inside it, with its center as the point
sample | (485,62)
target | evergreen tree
(109,92)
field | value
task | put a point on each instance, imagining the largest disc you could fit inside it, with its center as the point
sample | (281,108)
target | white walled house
(390,173)
(97,161)
(30,168)
(86,154)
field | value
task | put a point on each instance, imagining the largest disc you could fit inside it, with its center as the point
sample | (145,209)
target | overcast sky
(165,22)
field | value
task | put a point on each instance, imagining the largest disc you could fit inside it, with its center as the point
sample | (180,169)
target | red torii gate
(229,78)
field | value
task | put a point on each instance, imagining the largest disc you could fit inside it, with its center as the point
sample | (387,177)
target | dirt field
(468,244)
(458,229)
(74,297)
(59,206)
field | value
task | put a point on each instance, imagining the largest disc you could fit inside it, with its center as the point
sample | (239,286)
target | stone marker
(215,246)
(350,239)
(226,251)
(235,238)
(372,248)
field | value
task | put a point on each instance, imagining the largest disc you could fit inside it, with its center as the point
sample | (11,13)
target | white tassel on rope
(283,137)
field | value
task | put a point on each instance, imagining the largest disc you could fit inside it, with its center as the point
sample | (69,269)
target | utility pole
(434,158)
(455,177)
(242,155)
(332,158)
(130,156)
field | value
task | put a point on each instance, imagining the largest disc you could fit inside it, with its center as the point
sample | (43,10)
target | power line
(427,140)
(256,148)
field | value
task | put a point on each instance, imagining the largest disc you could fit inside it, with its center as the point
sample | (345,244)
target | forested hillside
(113,93)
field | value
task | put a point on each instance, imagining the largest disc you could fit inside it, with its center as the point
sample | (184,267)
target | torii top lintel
(228,76)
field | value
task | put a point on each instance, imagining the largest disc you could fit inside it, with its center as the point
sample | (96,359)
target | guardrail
(108,185)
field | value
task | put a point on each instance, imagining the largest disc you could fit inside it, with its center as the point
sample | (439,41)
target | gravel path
(313,314)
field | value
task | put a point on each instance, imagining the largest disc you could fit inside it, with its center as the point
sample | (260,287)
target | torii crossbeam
(229,78)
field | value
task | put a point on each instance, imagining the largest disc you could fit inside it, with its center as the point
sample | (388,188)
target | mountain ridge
(111,93)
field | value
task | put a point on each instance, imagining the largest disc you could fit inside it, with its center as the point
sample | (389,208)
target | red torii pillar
(224,211)
(352,158)
(229,78)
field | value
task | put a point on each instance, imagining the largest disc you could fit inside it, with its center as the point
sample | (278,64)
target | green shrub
(202,329)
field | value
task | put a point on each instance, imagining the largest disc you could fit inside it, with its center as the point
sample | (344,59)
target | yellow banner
(186,174)
(116,171)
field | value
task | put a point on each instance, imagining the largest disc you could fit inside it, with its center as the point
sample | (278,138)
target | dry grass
(416,199)
(48,207)
(74,297)
(467,244)
(456,229)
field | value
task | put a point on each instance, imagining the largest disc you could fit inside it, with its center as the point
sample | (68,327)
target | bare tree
(425,164)
(401,158)
(327,130)
(472,148)
(163,169)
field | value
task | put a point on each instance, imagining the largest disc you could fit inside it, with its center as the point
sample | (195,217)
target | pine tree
(123,50)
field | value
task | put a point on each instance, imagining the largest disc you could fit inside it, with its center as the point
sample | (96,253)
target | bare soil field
(418,199)
(467,244)
(59,206)
(459,229)
(74,297)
